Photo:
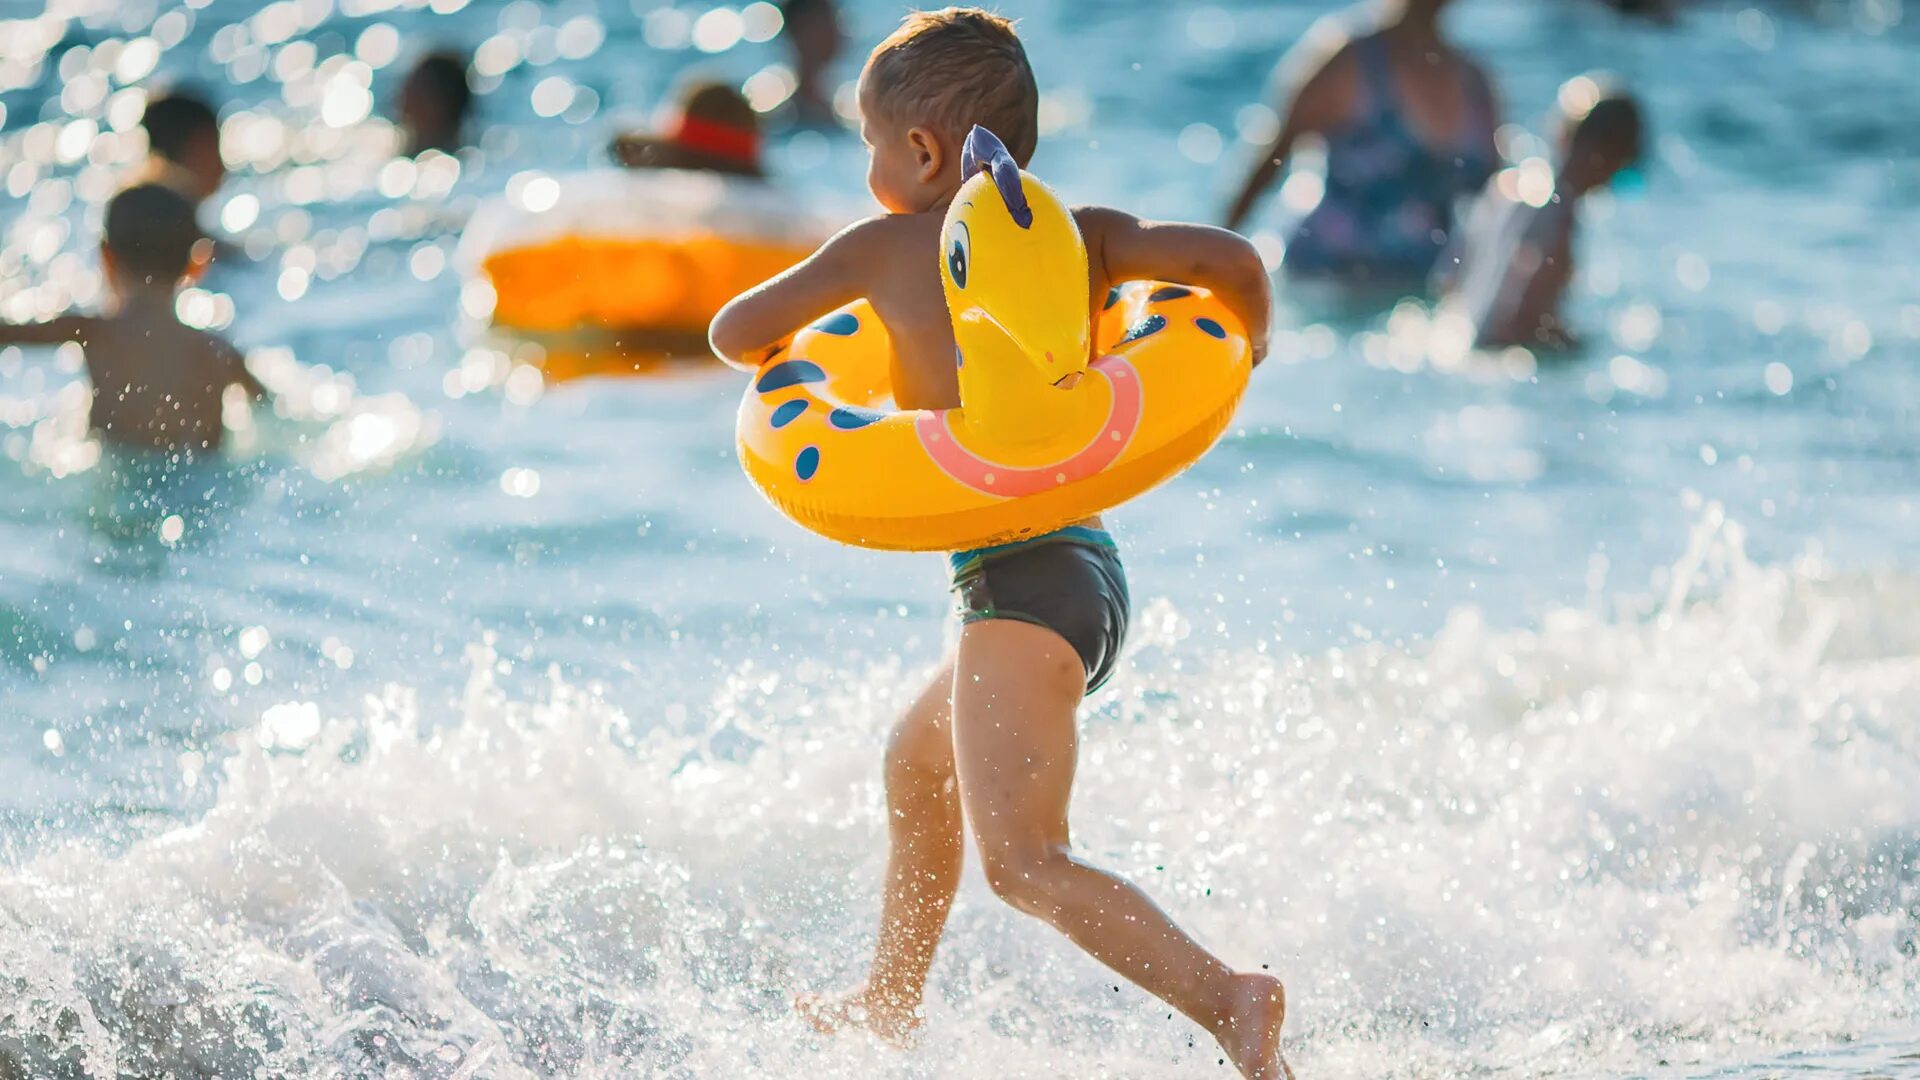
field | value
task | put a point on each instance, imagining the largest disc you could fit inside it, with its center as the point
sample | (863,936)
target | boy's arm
(672,341)
(1132,250)
(1478,218)
(1489,112)
(834,275)
(52,332)
(234,363)
(1541,294)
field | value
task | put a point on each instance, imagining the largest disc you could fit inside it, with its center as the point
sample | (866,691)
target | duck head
(1015,272)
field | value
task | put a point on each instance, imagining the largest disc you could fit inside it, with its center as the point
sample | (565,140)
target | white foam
(1686,831)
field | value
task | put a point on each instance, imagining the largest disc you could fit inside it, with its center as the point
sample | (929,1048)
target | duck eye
(959,253)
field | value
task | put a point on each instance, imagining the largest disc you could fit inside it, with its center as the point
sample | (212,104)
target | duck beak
(1053,334)
(1060,348)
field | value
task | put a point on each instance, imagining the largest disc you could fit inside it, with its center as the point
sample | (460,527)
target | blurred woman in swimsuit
(1407,121)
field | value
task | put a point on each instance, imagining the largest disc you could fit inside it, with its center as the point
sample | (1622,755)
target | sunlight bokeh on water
(1530,715)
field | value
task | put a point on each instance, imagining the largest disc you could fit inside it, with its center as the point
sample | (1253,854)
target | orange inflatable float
(577,263)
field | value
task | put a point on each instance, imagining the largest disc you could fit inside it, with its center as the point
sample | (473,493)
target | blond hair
(955,68)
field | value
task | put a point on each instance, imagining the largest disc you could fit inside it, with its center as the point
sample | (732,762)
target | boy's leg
(924,853)
(1016,690)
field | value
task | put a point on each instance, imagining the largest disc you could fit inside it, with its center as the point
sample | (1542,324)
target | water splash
(1673,833)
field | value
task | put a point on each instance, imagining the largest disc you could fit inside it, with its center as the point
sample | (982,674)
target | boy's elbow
(1245,264)
(1241,270)
(720,340)
(722,334)
(1240,280)
(726,338)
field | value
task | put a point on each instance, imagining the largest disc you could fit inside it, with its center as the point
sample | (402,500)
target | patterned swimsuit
(1389,200)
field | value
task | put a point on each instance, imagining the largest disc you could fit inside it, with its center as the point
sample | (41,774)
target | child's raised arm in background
(1508,269)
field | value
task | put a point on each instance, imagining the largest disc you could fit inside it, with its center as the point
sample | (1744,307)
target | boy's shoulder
(891,229)
(1091,215)
(154,321)
(182,338)
(870,246)
(76,325)
(73,326)
(224,354)
(1097,223)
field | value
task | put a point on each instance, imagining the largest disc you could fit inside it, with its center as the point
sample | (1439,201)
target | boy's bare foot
(892,1020)
(1251,1032)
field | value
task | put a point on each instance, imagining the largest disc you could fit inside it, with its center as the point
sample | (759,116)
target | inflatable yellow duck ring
(1043,437)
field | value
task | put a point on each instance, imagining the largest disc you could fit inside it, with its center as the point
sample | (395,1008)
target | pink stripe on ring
(992,478)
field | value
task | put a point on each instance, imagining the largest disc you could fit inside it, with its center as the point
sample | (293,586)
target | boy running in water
(991,739)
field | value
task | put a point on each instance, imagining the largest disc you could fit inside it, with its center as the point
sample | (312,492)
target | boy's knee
(912,760)
(1026,879)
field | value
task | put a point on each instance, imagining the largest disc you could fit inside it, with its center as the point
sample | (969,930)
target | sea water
(1529,716)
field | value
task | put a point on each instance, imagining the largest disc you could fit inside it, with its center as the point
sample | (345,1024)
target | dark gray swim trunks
(1069,581)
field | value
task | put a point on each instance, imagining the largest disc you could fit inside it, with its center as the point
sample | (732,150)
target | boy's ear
(110,267)
(929,155)
(197,262)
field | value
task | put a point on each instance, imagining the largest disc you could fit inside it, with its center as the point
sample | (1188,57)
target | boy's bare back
(157,384)
(902,272)
(893,262)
